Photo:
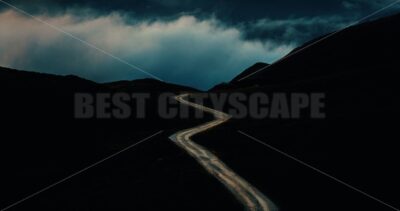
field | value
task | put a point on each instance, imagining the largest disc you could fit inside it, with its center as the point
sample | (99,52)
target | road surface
(249,196)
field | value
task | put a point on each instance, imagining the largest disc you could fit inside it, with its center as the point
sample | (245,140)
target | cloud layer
(293,30)
(184,50)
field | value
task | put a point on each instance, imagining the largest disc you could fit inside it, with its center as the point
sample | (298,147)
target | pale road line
(249,196)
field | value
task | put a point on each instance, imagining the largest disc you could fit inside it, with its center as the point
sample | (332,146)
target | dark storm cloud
(227,10)
(293,30)
(231,12)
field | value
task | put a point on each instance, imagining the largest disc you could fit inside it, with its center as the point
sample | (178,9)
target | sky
(188,42)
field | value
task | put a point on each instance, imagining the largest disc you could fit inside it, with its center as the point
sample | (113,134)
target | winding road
(249,196)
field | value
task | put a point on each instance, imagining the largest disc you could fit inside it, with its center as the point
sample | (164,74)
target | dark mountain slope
(368,48)
(250,70)
(256,67)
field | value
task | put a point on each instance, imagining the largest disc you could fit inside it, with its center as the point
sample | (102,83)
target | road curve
(249,196)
